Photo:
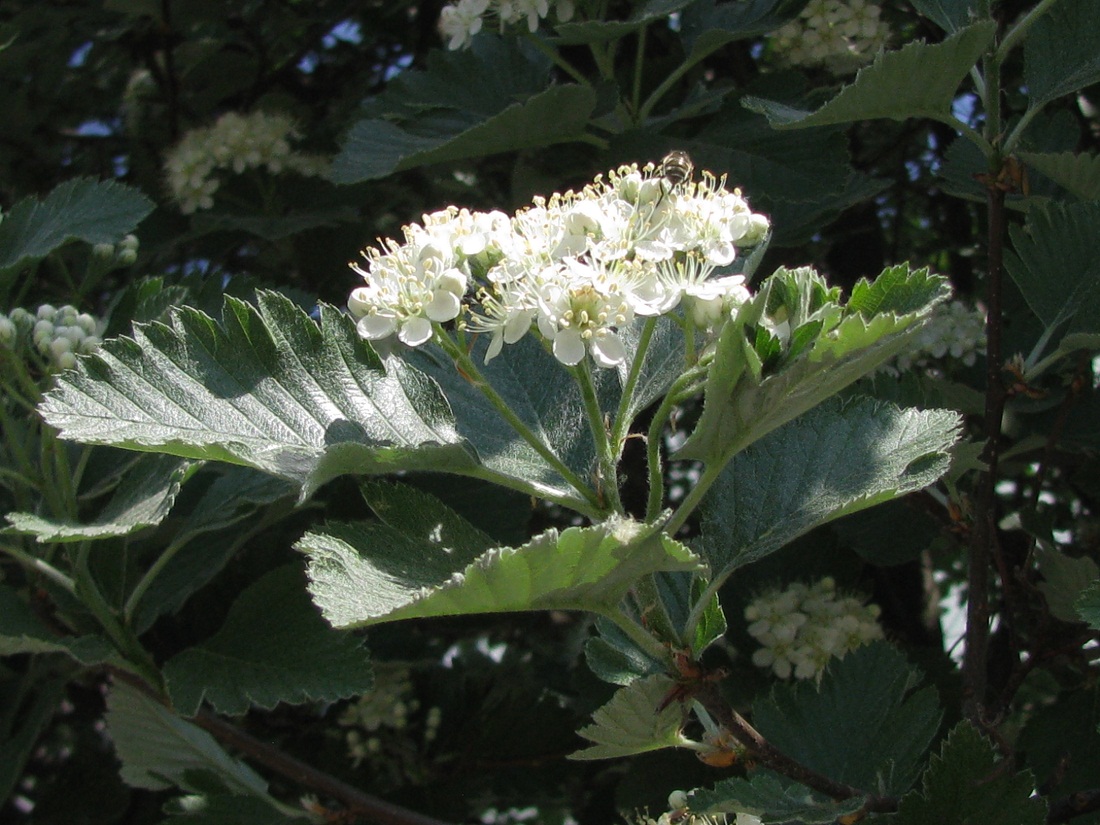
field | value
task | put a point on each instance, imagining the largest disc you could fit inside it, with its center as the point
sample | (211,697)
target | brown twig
(764,752)
(984,533)
(355,801)
(1078,804)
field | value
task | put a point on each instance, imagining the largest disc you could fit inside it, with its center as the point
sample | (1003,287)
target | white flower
(407,289)
(459,22)
(578,313)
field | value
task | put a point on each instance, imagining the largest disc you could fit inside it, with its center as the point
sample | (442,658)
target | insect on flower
(676,167)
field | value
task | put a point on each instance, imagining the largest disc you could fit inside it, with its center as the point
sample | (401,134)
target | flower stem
(606,453)
(40,566)
(618,435)
(470,370)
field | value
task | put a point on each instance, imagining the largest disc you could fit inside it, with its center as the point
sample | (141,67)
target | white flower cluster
(57,335)
(838,35)
(236,142)
(955,330)
(802,627)
(575,269)
(459,22)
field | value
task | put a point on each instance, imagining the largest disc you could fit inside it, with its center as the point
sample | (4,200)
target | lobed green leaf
(918,80)
(634,722)
(424,560)
(267,388)
(273,647)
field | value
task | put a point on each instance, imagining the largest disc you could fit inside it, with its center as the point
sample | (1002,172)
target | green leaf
(964,786)
(424,560)
(633,721)
(1061,739)
(861,726)
(224,516)
(949,15)
(77,210)
(1062,52)
(470,103)
(157,748)
(540,392)
(601,31)
(28,713)
(1088,605)
(837,459)
(1064,580)
(267,388)
(1076,172)
(229,809)
(771,797)
(1053,262)
(143,499)
(614,658)
(918,80)
(708,25)
(21,631)
(831,346)
(262,656)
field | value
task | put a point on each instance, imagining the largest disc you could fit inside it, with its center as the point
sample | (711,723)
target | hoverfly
(676,168)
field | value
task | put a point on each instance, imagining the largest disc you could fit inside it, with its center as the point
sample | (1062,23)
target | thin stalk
(124,640)
(555,57)
(1017,33)
(621,425)
(470,370)
(711,472)
(607,455)
(652,609)
(670,81)
(39,566)
(984,530)
(639,635)
(639,62)
(654,437)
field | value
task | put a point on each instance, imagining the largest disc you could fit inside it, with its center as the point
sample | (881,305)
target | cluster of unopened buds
(459,22)
(574,269)
(389,705)
(837,35)
(55,335)
(802,627)
(235,143)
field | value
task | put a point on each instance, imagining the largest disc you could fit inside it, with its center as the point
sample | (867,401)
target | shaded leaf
(429,562)
(1053,262)
(1076,172)
(490,98)
(918,80)
(273,647)
(1088,605)
(229,809)
(962,786)
(267,388)
(614,658)
(21,631)
(30,714)
(158,749)
(949,15)
(707,26)
(631,722)
(1062,52)
(837,459)
(80,209)
(771,797)
(860,726)
(1065,579)
(143,499)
